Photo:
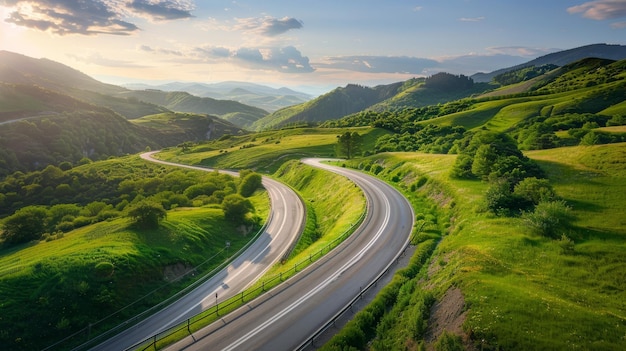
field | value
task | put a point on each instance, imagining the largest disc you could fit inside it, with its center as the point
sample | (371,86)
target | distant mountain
(51,113)
(561,58)
(416,92)
(261,96)
(54,76)
(237,113)
(335,104)
(21,69)
(40,127)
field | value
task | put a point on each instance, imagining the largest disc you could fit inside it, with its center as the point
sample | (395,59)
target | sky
(308,45)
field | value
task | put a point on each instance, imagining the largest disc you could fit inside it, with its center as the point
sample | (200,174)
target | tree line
(45,204)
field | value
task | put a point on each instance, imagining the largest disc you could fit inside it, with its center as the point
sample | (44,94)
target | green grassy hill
(39,127)
(267,151)
(353,99)
(233,111)
(587,86)
(92,267)
(495,283)
(333,105)
(479,272)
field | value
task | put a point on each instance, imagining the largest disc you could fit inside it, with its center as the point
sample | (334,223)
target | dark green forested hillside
(332,105)
(235,112)
(41,127)
(417,92)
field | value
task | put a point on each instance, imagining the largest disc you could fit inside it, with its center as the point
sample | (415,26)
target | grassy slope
(60,275)
(335,203)
(265,152)
(527,292)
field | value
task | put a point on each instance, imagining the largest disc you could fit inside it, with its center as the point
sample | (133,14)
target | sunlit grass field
(115,266)
(524,291)
(267,151)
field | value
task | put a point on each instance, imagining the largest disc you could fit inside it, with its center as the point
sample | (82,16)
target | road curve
(284,226)
(287,316)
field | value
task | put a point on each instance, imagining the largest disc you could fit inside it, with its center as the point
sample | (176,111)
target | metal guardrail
(85,332)
(200,320)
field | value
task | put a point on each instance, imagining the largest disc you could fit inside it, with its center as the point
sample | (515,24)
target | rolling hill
(257,95)
(239,114)
(561,58)
(415,93)
(335,104)
(56,77)
(39,127)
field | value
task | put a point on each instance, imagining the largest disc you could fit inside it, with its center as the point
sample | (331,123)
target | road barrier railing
(191,325)
(84,336)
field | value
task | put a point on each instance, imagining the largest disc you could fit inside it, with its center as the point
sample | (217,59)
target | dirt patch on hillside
(176,271)
(447,314)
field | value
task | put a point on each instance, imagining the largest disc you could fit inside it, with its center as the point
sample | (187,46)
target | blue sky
(312,45)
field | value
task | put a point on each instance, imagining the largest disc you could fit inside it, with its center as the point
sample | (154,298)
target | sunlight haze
(314,45)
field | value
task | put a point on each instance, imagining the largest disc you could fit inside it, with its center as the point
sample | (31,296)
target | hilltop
(54,76)
(257,95)
(564,57)
(415,93)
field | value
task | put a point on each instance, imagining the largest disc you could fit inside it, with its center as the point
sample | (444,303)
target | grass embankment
(94,271)
(519,290)
(267,151)
(334,208)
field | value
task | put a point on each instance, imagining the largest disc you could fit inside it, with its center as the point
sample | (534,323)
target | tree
(26,224)
(236,207)
(535,190)
(349,144)
(484,159)
(147,214)
(549,218)
(249,184)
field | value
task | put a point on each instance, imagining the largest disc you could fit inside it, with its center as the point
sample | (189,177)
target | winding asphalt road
(288,315)
(284,226)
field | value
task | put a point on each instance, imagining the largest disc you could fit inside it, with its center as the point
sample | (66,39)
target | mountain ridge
(560,58)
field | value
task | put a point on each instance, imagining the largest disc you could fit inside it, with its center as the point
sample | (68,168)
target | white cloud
(471,19)
(618,25)
(379,64)
(601,9)
(91,17)
(267,26)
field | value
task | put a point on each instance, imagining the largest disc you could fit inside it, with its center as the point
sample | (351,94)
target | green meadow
(520,291)
(267,151)
(103,274)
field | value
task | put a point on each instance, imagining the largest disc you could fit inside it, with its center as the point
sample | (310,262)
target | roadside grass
(529,292)
(524,291)
(266,151)
(82,279)
(334,208)
(336,202)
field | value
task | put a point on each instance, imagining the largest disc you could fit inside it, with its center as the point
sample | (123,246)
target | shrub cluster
(53,201)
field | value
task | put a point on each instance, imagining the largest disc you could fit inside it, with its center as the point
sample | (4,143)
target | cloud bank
(92,17)
(380,64)
(268,26)
(286,59)
(601,9)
